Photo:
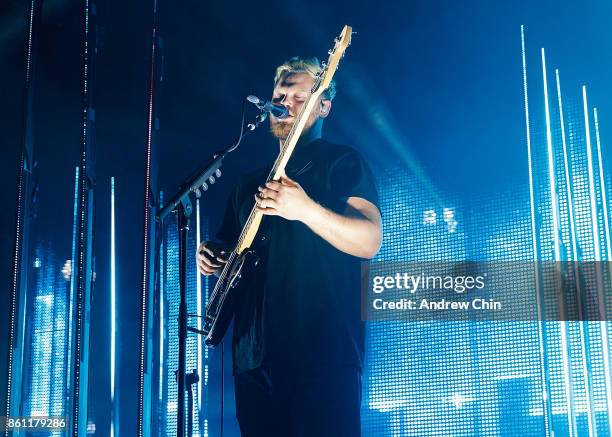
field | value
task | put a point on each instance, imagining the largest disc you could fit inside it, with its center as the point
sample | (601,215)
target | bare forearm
(353,234)
(357,231)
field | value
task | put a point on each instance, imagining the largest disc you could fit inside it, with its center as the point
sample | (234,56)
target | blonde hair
(310,66)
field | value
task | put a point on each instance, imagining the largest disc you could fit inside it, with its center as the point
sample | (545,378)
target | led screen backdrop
(491,378)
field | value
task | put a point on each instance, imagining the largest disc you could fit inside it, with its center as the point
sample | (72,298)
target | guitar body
(222,300)
(221,303)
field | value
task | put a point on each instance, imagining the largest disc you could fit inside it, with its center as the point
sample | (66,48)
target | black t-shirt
(301,309)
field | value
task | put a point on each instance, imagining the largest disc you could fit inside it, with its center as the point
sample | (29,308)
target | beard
(280,130)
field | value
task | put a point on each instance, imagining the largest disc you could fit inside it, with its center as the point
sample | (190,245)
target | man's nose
(284,101)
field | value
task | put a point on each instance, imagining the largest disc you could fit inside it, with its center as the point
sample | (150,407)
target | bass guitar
(220,307)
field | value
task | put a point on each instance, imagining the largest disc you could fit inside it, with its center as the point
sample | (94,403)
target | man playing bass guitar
(298,338)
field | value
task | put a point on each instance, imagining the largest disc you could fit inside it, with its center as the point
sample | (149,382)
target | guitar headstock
(336,53)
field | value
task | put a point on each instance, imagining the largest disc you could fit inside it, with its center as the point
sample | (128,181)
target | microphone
(278,111)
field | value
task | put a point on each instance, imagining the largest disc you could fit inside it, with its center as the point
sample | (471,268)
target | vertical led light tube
(583,328)
(593,197)
(199,307)
(544,374)
(564,336)
(70,321)
(162,333)
(78,416)
(113,314)
(568,176)
(144,414)
(551,164)
(204,365)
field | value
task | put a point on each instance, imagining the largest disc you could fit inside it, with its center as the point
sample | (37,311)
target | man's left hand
(285,198)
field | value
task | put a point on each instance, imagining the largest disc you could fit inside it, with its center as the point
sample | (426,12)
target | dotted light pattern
(561,161)
(586,345)
(446,378)
(195,344)
(487,378)
(579,384)
(50,303)
(45,388)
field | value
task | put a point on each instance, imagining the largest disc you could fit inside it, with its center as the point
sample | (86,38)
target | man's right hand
(210,258)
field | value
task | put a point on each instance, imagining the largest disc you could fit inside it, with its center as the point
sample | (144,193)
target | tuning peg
(198,193)
(211,179)
(330,52)
(204,186)
(218,173)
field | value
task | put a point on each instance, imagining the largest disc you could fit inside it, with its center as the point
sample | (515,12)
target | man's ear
(325,108)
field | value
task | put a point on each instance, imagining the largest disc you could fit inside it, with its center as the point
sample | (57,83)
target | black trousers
(317,403)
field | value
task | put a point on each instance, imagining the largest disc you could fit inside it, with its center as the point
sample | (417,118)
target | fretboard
(278,169)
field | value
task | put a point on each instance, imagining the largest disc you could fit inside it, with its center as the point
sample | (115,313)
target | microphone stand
(181,204)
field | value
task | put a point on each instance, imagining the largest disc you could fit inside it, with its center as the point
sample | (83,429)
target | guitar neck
(278,169)
(322,81)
